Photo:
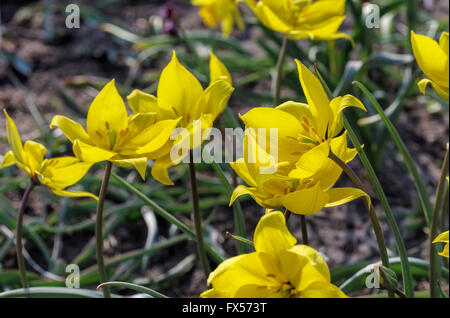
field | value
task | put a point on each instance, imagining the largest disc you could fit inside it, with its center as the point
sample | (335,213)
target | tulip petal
(314,258)
(139,163)
(316,97)
(217,70)
(107,114)
(306,201)
(178,90)
(239,271)
(272,235)
(443,238)
(158,135)
(444,42)
(14,140)
(324,291)
(432,59)
(71,129)
(88,153)
(262,120)
(159,170)
(141,102)
(270,19)
(63,172)
(337,105)
(240,167)
(75,194)
(310,162)
(34,154)
(339,196)
(241,190)
(8,160)
(214,99)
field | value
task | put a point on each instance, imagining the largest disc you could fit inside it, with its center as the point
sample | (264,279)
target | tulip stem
(279,70)
(434,264)
(99,230)
(287,214)
(408,282)
(197,218)
(19,227)
(304,230)
(369,206)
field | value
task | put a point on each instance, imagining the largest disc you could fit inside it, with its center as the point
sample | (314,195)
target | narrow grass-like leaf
(135,287)
(166,215)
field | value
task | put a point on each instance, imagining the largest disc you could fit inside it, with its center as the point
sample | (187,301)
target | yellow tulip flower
(432,58)
(214,12)
(56,173)
(114,136)
(303,175)
(443,238)
(181,97)
(300,19)
(277,269)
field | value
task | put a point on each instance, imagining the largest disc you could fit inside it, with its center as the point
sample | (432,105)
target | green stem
(99,229)
(412,168)
(369,206)
(305,240)
(332,60)
(405,264)
(197,218)
(287,215)
(19,244)
(444,210)
(279,70)
(434,262)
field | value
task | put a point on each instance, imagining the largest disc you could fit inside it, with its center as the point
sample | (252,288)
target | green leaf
(135,287)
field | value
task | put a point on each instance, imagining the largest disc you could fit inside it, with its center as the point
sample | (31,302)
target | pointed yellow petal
(8,159)
(240,167)
(443,237)
(88,153)
(136,133)
(339,196)
(288,128)
(272,235)
(14,138)
(75,194)
(316,97)
(107,115)
(432,59)
(65,171)
(157,136)
(214,99)
(139,163)
(314,258)
(306,201)
(239,271)
(270,19)
(159,170)
(178,89)
(444,42)
(310,162)
(34,155)
(217,70)
(241,190)
(71,129)
(141,102)
(337,105)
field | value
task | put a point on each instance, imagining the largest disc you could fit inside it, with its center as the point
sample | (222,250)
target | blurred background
(47,68)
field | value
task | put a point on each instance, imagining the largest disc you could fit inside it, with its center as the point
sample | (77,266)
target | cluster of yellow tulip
(302,180)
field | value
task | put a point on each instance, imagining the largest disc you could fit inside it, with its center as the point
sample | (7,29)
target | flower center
(287,290)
